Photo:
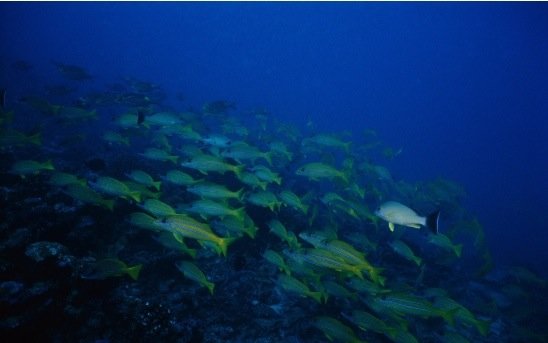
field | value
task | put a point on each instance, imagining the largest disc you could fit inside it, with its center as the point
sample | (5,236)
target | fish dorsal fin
(391,226)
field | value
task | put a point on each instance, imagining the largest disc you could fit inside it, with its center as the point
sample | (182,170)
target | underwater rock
(20,237)
(10,291)
(62,208)
(40,288)
(218,334)
(40,251)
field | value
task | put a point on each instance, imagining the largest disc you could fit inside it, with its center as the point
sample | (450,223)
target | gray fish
(395,213)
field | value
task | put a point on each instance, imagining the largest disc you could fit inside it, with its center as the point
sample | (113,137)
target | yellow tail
(268,157)
(357,271)
(417,260)
(238,170)
(210,286)
(36,139)
(483,326)
(316,296)
(135,196)
(173,159)
(48,165)
(449,316)
(157,185)
(240,194)
(239,213)
(224,243)
(458,250)
(134,271)
(108,204)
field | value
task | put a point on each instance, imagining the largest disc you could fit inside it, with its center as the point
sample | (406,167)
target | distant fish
(21,65)
(218,107)
(191,271)
(395,213)
(96,164)
(110,267)
(2,98)
(30,167)
(72,72)
(140,117)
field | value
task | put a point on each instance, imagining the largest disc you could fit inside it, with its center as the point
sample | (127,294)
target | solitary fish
(191,271)
(29,167)
(395,213)
(110,267)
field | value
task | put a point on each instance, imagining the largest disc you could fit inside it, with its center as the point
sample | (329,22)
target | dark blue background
(462,87)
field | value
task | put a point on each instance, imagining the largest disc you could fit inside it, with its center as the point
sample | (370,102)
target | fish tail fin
(286,270)
(49,165)
(36,139)
(347,147)
(263,185)
(356,270)
(239,213)
(240,194)
(458,250)
(305,209)
(351,212)
(224,243)
(289,155)
(173,159)
(374,275)
(392,332)
(191,252)
(135,196)
(316,296)
(108,203)
(432,221)
(251,232)
(157,185)
(268,157)
(134,271)
(449,316)
(325,296)
(483,326)
(417,260)
(345,176)
(178,237)
(238,170)
(210,286)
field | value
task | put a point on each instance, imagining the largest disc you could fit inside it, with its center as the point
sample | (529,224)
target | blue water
(461,87)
